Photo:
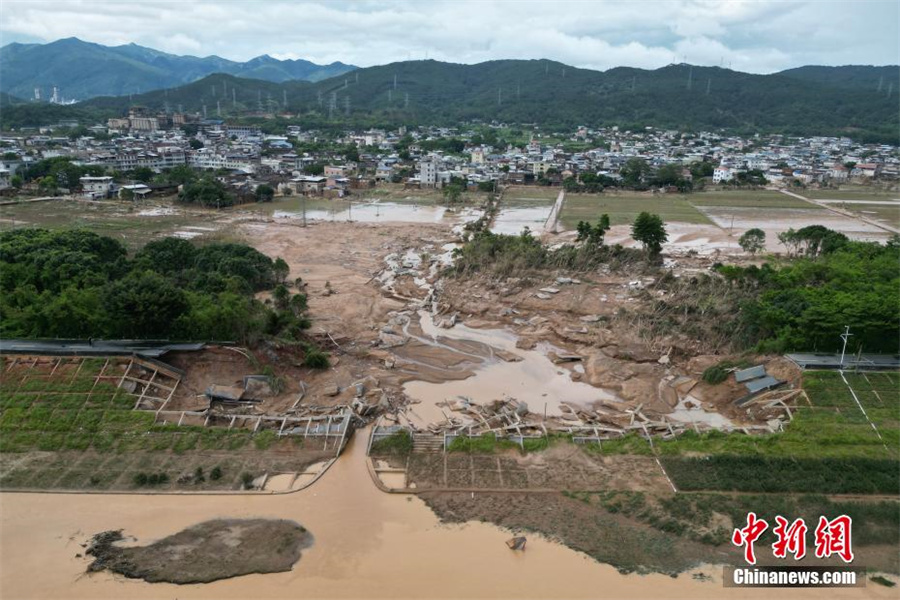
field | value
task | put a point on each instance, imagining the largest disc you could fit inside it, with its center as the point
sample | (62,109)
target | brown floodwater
(533,379)
(368,544)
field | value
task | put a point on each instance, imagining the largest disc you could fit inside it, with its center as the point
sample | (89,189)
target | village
(131,152)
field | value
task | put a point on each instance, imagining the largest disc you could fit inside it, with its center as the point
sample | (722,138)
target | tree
(195,144)
(281,296)
(168,255)
(650,231)
(181,174)
(281,269)
(264,193)
(593,235)
(634,171)
(143,174)
(17,182)
(315,168)
(753,240)
(453,192)
(143,305)
(206,192)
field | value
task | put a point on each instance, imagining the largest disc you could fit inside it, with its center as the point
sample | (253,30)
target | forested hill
(803,101)
(83,70)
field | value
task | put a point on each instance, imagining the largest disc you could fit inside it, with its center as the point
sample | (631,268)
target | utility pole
(845,336)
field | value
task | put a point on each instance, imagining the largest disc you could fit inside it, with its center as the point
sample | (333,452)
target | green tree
(206,192)
(452,192)
(264,193)
(195,144)
(168,255)
(281,269)
(17,182)
(649,230)
(753,240)
(143,305)
(593,235)
(143,174)
(634,171)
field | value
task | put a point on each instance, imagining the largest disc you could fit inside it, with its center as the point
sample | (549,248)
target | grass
(778,475)
(399,443)
(623,208)
(747,199)
(827,447)
(860,193)
(71,431)
(708,517)
(112,217)
(889,215)
(487,443)
(531,193)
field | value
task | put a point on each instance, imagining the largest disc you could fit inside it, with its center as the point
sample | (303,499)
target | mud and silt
(208,551)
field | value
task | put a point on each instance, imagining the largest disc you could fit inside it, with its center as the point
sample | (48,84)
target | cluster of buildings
(298,161)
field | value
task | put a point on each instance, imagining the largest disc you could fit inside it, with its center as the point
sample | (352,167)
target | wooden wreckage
(230,407)
(510,419)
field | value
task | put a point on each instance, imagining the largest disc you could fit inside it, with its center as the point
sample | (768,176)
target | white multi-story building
(721,174)
(427,173)
(96,187)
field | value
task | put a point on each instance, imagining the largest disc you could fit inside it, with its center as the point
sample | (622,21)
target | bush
(399,443)
(779,475)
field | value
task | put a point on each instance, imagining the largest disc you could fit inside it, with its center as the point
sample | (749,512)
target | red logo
(790,539)
(748,535)
(833,537)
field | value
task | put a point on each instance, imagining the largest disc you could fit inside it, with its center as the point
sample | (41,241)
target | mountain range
(83,70)
(858,101)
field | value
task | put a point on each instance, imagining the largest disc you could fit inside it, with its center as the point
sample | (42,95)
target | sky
(753,36)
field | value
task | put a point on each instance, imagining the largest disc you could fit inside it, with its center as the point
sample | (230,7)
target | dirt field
(562,467)
(206,552)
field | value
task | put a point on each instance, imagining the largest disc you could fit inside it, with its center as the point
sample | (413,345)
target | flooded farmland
(366,544)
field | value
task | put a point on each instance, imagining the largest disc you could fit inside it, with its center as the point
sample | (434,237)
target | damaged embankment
(205,552)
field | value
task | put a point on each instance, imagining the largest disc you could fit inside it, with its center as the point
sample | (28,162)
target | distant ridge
(856,101)
(84,70)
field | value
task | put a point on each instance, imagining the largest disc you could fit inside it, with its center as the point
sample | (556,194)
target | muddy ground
(622,541)
(608,538)
(205,552)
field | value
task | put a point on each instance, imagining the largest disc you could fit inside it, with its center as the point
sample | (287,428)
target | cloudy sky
(756,36)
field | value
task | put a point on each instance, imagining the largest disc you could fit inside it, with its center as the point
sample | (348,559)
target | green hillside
(550,94)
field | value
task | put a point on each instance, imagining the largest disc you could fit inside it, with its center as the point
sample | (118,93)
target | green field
(114,218)
(828,447)
(64,427)
(889,215)
(623,208)
(747,199)
(531,193)
(851,194)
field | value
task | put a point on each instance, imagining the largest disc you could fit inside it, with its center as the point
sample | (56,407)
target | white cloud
(757,36)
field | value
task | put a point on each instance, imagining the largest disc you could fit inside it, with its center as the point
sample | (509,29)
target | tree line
(77,284)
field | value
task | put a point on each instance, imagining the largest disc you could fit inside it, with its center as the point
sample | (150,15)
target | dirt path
(842,212)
